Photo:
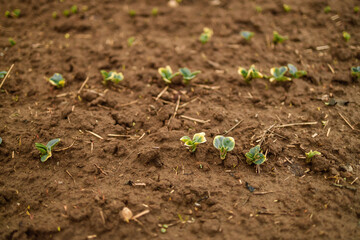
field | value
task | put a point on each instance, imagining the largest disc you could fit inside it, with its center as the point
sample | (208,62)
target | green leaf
(42,148)
(228,143)
(185,139)
(254,156)
(74,9)
(16,13)
(259,159)
(218,142)
(0,140)
(292,70)
(277,38)
(247,35)
(51,144)
(166,74)
(45,157)
(346,36)
(57,80)
(104,74)
(2,74)
(199,138)
(242,72)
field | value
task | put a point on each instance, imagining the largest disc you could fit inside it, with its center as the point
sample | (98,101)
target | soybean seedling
(196,140)
(74,9)
(311,155)
(255,156)
(132,13)
(224,145)
(206,35)
(355,72)
(258,9)
(356,9)
(277,38)
(327,9)
(167,74)
(57,80)
(130,41)
(188,75)
(287,8)
(250,74)
(154,11)
(15,13)
(2,74)
(247,35)
(294,72)
(12,42)
(54,15)
(112,76)
(0,140)
(66,12)
(45,150)
(278,74)
(346,36)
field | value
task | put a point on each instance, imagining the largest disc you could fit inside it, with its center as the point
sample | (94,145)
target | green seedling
(188,75)
(327,9)
(346,36)
(66,12)
(57,80)
(258,9)
(278,74)
(247,35)
(132,13)
(255,156)
(74,9)
(224,145)
(310,155)
(294,73)
(287,8)
(355,72)
(155,11)
(196,140)
(356,9)
(166,74)
(206,35)
(7,13)
(277,38)
(12,42)
(112,76)
(250,74)
(130,41)
(16,13)
(2,74)
(45,150)
(0,140)
(54,15)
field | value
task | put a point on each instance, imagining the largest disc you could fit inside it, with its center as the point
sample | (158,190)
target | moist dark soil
(80,191)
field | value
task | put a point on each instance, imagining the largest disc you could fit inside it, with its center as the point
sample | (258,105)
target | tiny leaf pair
(277,38)
(192,143)
(112,76)
(250,74)
(0,140)
(346,36)
(254,156)
(45,150)
(2,74)
(355,72)
(310,155)
(57,80)
(15,13)
(206,35)
(167,74)
(295,73)
(224,145)
(278,74)
(247,35)
(188,75)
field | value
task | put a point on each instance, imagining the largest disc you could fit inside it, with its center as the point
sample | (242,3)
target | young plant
(0,140)
(112,76)
(167,74)
(310,155)
(255,156)
(74,9)
(196,140)
(250,74)
(247,35)
(2,74)
(356,9)
(15,13)
(130,41)
(154,11)
(12,42)
(132,13)
(206,35)
(294,72)
(45,150)
(66,12)
(287,8)
(327,9)
(277,38)
(355,72)
(7,13)
(54,15)
(346,36)
(188,75)
(258,9)
(224,145)
(57,80)
(278,74)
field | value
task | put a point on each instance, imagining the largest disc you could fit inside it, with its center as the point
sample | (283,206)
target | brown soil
(80,192)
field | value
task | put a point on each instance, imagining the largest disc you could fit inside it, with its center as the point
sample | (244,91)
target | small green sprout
(287,8)
(224,145)
(155,11)
(188,75)
(327,9)
(295,73)
(355,72)
(258,9)
(130,41)
(57,80)
(112,76)
(74,9)
(277,38)
(0,140)
(2,74)
(346,36)
(278,74)
(206,35)
(310,155)
(46,150)
(12,42)
(66,12)
(132,13)
(7,13)
(166,74)
(247,35)
(196,140)
(356,9)
(250,74)
(54,15)
(16,13)
(255,156)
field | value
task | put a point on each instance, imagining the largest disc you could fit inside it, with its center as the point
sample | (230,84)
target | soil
(80,191)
